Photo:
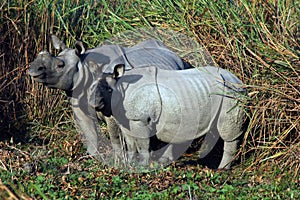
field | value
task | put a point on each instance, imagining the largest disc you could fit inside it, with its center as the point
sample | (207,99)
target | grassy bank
(40,154)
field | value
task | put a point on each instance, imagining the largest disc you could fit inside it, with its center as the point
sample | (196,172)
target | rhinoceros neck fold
(76,80)
(82,80)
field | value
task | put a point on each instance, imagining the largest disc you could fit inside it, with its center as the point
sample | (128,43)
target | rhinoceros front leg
(138,141)
(88,128)
(91,132)
(131,148)
(116,138)
(142,145)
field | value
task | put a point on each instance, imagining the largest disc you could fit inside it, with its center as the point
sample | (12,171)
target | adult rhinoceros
(175,105)
(70,72)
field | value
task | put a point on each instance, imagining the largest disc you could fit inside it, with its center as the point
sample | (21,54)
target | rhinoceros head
(100,92)
(57,72)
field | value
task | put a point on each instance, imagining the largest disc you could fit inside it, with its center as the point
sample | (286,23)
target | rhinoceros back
(147,53)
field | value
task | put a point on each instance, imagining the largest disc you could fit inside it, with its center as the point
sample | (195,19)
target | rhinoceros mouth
(39,77)
(98,106)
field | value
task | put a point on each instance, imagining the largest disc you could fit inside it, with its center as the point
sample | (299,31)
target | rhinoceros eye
(60,64)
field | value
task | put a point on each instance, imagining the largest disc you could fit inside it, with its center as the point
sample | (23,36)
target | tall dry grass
(260,42)
(257,40)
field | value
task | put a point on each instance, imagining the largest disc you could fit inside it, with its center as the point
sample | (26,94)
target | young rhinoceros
(176,106)
(70,72)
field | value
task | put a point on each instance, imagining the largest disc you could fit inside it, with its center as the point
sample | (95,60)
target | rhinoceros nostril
(41,68)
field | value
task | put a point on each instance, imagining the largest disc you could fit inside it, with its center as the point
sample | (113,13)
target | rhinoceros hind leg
(228,154)
(230,128)
(167,155)
(210,140)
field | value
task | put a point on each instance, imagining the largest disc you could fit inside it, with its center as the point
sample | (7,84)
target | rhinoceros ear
(79,48)
(119,71)
(57,43)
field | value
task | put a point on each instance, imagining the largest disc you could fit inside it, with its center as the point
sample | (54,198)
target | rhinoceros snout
(36,71)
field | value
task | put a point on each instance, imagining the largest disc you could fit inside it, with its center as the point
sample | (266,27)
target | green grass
(64,172)
(41,155)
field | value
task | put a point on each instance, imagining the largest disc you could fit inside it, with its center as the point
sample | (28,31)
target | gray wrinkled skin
(176,106)
(70,71)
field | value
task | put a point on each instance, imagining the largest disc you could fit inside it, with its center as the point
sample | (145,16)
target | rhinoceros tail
(159,96)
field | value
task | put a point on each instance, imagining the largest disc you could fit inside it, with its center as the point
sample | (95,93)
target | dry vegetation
(259,41)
